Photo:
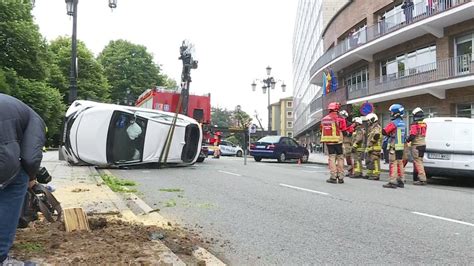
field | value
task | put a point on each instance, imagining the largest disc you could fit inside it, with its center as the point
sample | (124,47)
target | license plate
(439,156)
(261,147)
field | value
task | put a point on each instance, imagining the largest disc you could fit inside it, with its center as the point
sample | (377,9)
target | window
(289,124)
(289,104)
(464,52)
(411,63)
(289,114)
(289,134)
(357,80)
(126,138)
(465,110)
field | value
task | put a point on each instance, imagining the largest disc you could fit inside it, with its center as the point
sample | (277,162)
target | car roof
(450,119)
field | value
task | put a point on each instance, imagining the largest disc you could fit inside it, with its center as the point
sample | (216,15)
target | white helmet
(343,113)
(358,120)
(372,118)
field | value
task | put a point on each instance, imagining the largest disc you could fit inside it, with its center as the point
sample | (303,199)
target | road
(270,213)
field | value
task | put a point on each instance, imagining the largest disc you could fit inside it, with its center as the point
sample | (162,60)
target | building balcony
(433,78)
(392,31)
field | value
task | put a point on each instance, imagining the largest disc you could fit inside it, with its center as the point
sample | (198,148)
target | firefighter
(418,145)
(374,147)
(347,141)
(332,127)
(217,142)
(396,131)
(358,147)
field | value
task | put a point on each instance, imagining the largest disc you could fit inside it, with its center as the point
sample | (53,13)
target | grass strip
(117,184)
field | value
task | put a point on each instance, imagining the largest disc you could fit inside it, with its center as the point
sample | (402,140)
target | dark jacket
(22,137)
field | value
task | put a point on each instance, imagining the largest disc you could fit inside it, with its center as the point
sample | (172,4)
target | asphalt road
(270,213)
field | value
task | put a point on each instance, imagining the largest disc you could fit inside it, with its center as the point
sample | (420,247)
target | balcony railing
(316,104)
(440,70)
(391,23)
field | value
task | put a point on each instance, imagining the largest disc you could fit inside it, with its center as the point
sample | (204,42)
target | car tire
(257,159)
(239,154)
(281,157)
(304,158)
(200,159)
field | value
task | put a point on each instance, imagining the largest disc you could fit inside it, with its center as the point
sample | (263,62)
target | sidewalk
(321,158)
(82,186)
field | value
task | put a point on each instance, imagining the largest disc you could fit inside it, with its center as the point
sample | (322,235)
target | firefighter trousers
(335,161)
(397,169)
(373,164)
(357,156)
(418,152)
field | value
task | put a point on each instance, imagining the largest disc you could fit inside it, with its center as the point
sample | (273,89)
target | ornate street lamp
(269,83)
(71,8)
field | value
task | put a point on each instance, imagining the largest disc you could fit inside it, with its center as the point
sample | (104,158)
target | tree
(91,81)
(22,47)
(26,63)
(130,66)
(220,117)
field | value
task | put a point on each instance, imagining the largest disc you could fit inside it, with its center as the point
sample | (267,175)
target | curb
(148,216)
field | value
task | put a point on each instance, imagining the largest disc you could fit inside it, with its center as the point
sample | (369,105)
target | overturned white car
(115,135)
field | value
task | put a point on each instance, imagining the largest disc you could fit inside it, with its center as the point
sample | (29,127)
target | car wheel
(200,159)
(304,158)
(257,159)
(239,154)
(281,157)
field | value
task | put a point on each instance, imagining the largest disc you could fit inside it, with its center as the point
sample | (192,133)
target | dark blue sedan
(278,147)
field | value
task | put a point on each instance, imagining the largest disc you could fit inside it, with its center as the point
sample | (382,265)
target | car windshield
(270,139)
(126,138)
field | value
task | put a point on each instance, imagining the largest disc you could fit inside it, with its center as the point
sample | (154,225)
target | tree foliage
(26,64)
(220,117)
(22,47)
(130,66)
(91,81)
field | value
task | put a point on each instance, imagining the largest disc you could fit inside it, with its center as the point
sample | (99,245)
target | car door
(298,150)
(439,143)
(287,148)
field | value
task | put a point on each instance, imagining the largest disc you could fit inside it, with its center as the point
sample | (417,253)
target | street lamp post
(71,7)
(269,84)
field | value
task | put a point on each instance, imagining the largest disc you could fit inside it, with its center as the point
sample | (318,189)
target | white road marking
(305,189)
(314,171)
(316,167)
(443,218)
(229,173)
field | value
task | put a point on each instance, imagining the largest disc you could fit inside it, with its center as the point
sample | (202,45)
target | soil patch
(111,240)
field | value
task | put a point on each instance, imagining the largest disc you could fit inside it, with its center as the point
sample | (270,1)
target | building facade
(282,114)
(383,53)
(311,19)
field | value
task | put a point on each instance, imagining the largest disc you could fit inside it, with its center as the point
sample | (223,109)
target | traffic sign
(366,108)
(253,129)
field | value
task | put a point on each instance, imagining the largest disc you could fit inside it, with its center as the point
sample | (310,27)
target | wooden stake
(75,219)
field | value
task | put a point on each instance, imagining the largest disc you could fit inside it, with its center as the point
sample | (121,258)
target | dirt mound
(110,241)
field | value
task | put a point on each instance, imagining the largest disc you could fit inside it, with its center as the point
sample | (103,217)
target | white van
(449,147)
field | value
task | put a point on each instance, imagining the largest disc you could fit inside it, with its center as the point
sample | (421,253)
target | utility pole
(189,63)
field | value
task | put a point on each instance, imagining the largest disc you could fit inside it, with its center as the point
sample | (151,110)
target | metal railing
(389,24)
(315,105)
(440,70)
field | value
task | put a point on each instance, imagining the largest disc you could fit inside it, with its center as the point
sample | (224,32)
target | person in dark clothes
(22,137)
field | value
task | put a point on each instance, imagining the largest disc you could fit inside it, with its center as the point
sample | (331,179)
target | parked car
(449,147)
(278,147)
(227,148)
(114,135)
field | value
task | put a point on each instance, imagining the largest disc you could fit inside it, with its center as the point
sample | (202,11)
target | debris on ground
(110,240)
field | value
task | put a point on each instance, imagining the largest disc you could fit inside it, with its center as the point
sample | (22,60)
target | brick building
(383,53)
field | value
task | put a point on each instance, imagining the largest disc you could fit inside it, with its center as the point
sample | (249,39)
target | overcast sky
(234,40)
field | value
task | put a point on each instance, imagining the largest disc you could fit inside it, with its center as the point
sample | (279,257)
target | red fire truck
(199,107)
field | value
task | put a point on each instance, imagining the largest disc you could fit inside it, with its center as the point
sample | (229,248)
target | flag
(328,82)
(333,81)
(324,83)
